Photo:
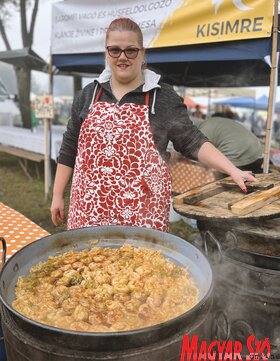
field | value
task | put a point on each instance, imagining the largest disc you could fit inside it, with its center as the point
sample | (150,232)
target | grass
(27,197)
(23,195)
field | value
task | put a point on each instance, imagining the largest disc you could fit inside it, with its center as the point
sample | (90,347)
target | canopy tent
(190,103)
(220,92)
(245,102)
(24,58)
(228,64)
(233,57)
(177,43)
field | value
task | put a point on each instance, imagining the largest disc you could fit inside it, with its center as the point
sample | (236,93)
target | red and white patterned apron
(119,176)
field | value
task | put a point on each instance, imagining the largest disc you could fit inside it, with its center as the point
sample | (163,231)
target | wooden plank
(215,208)
(36,157)
(197,194)
(23,165)
(251,187)
(255,201)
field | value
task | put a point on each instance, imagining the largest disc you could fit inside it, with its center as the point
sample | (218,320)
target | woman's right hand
(57,210)
(62,177)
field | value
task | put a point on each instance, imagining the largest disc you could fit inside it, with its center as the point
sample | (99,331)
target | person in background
(116,140)
(235,141)
(198,113)
(224,111)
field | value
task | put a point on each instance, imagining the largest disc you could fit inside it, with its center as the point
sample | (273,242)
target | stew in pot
(106,289)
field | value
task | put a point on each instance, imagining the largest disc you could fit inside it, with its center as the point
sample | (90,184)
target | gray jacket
(168,116)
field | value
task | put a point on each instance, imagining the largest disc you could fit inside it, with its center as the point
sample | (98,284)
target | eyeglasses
(115,52)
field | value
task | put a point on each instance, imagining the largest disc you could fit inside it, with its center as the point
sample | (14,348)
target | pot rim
(152,328)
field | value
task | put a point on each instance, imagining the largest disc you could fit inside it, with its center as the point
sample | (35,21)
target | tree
(23,75)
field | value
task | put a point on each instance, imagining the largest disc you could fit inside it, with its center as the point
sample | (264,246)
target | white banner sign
(80,26)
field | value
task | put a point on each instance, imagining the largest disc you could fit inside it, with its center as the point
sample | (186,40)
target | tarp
(24,58)
(189,102)
(80,26)
(245,102)
(248,102)
(220,92)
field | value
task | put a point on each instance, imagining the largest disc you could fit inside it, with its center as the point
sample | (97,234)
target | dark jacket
(168,118)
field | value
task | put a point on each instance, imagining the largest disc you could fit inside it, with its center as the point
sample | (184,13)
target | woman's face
(124,70)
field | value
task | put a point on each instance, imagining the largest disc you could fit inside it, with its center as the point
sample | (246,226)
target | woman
(116,142)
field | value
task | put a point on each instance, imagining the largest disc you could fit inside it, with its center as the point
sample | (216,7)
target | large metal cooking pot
(178,250)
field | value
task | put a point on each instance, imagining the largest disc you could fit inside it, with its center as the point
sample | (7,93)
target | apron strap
(98,95)
(147,98)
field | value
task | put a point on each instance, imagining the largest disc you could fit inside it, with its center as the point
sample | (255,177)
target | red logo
(195,350)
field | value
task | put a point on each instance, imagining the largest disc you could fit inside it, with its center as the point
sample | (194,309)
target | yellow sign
(206,21)
(80,26)
(44,106)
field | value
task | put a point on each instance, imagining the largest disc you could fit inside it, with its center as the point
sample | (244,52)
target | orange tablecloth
(186,175)
(17,230)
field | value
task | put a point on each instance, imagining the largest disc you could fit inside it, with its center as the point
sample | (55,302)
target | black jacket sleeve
(68,150)
(185,136)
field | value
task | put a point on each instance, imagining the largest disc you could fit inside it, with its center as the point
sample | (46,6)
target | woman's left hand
(240,177)
(212,157)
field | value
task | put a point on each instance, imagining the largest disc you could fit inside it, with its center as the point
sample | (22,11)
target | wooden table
(17,230)
(256,231)
(219,201)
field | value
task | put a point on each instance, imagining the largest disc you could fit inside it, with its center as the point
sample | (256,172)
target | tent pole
(51,120)
(47,132)
(50,76)
(272,89)
(209,103)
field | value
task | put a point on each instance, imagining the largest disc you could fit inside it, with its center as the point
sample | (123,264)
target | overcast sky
(42,38)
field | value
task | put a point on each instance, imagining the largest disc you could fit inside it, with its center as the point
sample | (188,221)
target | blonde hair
(125,24)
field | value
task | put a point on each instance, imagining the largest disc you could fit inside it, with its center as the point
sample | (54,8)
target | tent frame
(272,90)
